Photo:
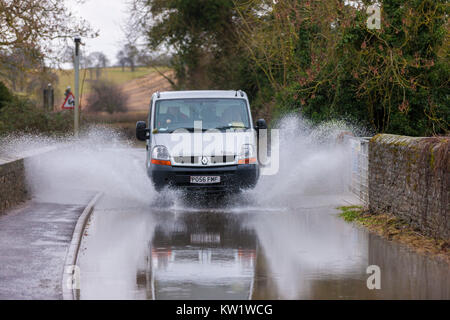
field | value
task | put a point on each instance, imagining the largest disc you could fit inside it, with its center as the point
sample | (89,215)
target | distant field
(138,86)
(113,74)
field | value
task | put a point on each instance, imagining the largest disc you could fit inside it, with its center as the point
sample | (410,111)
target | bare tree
(131,54)
(107,97)
(30,30)
(121,59)
(25,71)
(36,24)
(98,60)
(128,55)
(69,56)
(155,61)
(87,62)
(102,60)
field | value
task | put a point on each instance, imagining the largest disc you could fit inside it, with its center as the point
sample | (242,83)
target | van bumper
(232,178)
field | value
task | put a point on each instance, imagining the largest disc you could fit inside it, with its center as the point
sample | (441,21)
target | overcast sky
(107,16)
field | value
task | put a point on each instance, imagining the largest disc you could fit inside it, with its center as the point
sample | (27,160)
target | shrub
(5,95)
(106,96)
(22,115)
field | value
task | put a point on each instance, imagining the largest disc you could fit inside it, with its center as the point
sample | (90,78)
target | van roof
(200,94)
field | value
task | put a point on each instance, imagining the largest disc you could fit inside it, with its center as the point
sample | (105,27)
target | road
(244,248)
(283,240)
(34,239)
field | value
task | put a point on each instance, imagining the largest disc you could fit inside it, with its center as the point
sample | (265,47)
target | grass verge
(393,228)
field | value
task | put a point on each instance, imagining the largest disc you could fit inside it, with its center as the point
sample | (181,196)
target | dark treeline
(318,58)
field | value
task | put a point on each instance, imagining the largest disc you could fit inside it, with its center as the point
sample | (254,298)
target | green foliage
(390,80)
(351,213)
(22,116)
(393,228)
(317,58)
(5,95)
(203,36)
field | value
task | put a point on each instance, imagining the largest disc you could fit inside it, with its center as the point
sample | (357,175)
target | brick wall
(409,177)
(12,184)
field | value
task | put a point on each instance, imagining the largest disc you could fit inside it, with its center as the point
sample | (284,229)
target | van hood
(206,143)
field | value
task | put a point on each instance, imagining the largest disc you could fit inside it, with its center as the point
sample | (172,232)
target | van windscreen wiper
(232,127)
(190,129)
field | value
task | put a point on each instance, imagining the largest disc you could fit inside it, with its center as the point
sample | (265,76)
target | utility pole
(76,113)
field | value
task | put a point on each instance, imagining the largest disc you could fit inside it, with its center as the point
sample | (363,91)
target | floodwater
(282,240)
(247,252)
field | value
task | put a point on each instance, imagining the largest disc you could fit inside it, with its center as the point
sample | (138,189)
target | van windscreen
(221,114)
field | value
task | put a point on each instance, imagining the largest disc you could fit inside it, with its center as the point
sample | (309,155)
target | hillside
(138,84)
(139,87)
(139,90)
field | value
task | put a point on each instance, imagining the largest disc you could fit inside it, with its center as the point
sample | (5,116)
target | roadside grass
(350,213)
(395,229)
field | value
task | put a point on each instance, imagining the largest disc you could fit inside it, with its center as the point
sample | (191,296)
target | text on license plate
(205,179)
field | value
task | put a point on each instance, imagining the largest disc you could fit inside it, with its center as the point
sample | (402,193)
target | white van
(201,140)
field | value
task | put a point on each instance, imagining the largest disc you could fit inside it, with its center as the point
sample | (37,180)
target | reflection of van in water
(201,140)
(197,255)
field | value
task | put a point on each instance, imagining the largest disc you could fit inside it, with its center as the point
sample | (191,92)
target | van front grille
(187,160)
(224,159)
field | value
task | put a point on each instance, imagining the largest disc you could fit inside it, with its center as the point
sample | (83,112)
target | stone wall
(12,183)
(409,177)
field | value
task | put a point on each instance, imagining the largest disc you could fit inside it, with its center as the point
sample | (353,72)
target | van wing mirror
(141,131)
(261,124)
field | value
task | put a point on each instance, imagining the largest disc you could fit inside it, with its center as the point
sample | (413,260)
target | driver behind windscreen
(175,115)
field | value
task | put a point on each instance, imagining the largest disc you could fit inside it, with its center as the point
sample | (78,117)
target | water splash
(312,162)
(101,160)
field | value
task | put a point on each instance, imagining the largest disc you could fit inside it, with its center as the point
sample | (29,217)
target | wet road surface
(237,250)
(282,240)
(34,239)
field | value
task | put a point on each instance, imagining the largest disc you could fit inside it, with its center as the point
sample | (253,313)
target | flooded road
(241,251)
(282,240)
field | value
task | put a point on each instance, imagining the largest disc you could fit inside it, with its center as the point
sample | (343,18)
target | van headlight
(160,155)
(247,154)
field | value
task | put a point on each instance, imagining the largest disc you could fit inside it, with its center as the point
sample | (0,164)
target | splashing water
(116,247)
(99,161)
(312,162)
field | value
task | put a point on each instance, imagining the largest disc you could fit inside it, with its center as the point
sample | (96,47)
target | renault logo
(204,161)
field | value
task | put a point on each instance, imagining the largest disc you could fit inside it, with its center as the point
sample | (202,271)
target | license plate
(205,179)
